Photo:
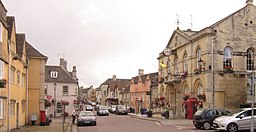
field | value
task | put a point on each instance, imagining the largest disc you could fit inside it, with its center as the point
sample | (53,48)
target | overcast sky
(103,38)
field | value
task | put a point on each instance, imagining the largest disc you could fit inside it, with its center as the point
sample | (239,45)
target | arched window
(176,68)
(186,90)
(199,89)
(250,59)
(198,57)
(185,63)
(227,60)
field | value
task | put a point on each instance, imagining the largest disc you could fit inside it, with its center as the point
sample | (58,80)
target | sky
(103,38)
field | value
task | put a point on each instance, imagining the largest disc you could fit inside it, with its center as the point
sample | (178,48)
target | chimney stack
(74,72)
(249,2)
(141,72)
(114,77)
(63,63)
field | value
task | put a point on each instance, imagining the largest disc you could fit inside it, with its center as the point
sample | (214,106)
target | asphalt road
(123,123)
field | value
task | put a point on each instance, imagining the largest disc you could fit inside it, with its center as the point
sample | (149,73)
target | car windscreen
(199,112)
(83,114)
(103,108)
(121,107)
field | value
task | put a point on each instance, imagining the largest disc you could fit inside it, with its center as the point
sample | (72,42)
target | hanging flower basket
(3,83)
(228,69)
(65,103)
(201,97)
(47,103)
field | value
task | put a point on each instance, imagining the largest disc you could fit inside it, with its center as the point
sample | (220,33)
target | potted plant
(227,69)
(2,83)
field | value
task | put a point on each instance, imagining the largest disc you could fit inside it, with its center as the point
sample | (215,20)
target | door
(245,122)
(17,116)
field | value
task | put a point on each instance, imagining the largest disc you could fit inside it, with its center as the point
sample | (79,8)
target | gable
(178,38)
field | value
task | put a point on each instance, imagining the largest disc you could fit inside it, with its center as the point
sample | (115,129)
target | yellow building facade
(17,77)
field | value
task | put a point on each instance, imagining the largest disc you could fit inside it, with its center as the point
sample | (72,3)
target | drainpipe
(213,86)
(26,63)
(9,89)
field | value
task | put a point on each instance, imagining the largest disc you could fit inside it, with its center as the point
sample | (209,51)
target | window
(12,75)
(59,110)
(18,77)
(12,111)
(186,90)
(185,63)
(200,89)
(176,69)
(198,57)
(1,108)
(23,80)
(105,93)
(65,90)
(228,53)
(250,59)
(1,69)
(54,74)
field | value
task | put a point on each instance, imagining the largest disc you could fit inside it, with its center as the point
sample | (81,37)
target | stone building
(212,64)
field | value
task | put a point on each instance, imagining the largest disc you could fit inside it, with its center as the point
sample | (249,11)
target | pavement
(57,125)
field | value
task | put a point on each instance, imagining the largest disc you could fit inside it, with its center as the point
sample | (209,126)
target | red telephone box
(191,107)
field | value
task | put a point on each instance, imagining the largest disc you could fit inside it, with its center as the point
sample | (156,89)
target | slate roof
(152,76)
(63,75)
(10,22)
(33,53)
(118,83)
(20,41)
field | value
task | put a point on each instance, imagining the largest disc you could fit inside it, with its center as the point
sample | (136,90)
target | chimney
(74,72)
(114,77)
(141,72)
(249,2)
(63,63)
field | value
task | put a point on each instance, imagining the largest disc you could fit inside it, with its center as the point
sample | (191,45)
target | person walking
(74,114)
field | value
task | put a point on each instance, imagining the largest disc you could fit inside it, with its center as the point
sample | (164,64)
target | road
(123,123)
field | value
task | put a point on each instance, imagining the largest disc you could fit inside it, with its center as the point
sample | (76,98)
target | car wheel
(232,127)
(198,127)
(207,126)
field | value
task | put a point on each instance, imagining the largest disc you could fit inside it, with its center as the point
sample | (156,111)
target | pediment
(178,38)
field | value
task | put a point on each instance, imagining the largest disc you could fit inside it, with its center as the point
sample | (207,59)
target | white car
(235,122)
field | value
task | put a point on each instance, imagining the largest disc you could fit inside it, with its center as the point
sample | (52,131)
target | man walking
(74,114)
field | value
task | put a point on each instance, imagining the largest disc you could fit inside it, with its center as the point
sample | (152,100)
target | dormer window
(54,74)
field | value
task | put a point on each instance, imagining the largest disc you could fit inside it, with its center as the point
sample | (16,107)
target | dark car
(204,118)
(86,117)
(121,109)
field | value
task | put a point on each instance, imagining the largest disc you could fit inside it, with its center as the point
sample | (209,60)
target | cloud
(90,12)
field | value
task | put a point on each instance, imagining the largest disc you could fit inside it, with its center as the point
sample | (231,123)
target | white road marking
(158,124)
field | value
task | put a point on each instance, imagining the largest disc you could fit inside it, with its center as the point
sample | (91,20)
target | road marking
(158,124)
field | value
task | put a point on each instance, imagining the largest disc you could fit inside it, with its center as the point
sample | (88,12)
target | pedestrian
(74,114)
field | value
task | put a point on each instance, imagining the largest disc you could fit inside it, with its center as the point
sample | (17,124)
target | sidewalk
(55,126)
(162,121)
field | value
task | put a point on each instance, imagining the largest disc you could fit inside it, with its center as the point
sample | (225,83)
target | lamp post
(55,85)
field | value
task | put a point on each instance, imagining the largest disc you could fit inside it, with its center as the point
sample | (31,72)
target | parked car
(113,109)
(121,109)
(86,117)
(236,122)
(88,108)
(102,110)
(204,118)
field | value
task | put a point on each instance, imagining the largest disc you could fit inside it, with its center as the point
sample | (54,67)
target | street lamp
(55,85)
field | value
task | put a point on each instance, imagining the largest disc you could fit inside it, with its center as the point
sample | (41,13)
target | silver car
(86,117)
(102,110)
(235,122)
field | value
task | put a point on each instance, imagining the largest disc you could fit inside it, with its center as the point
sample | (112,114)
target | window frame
(2,111)
(54,74)
(250,57)
(185,62)
(198,57)
(228,57)
(65,91)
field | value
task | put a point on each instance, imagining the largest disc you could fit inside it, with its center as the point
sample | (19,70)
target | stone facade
(212,62)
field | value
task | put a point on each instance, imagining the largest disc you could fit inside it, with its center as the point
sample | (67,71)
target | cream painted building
(213,63)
